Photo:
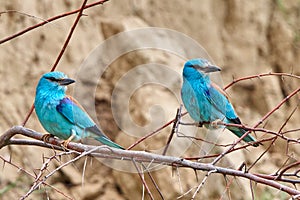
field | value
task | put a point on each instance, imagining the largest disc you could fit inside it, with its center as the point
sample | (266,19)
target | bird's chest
(47,109)
(51,120)
(195,97)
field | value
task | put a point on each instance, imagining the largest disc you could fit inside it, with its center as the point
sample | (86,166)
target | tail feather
(108,142)
(95,132)
(240,132)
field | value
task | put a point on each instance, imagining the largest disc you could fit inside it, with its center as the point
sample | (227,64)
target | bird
(205,101)
(61,115)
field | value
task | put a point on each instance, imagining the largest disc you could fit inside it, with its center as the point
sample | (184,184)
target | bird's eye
(52,79)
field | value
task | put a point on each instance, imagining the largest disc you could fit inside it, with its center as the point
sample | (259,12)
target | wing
(219,100)
(215,86)
(74,113)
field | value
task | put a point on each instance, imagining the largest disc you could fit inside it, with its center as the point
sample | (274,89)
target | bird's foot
(46,137)
(200,124)
(215,124)
(66,142)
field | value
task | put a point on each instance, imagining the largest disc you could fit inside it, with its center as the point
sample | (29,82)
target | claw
(46,137)
(215,123)
(66,142)
(200,124)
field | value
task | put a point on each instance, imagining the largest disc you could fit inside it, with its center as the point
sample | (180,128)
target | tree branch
(48,21)
(138,156)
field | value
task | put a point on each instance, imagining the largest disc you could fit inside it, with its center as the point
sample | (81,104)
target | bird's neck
(50,94)
(197,77)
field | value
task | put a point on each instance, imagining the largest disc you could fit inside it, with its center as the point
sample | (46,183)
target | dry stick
(242,147)
(69,35)
(227,188)
(152,133)
(151,178)
(38,183)
(141,156)
(154,183)
(202,183)
(272,142)
(256,125)
(33,176)
(252,191)
(47,162)
(244,127)
(234,149)
(21,13)
(260,130)
(289,117)
(187,192)
(282,166)
(259,76)
(286,180)
(226,87)
(143,179)
(174,129)
(263,153)
(5,139)
(83,171)
(286,168)
(53,145)
(49,20)
(28,115)
(179,179)
(60,53)
(200,139)
(290,131)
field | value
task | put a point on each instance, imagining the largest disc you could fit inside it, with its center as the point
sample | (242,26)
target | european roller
(61,115)
(204,100)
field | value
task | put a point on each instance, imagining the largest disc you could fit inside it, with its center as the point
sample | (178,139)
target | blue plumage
(61,115)
(204,100)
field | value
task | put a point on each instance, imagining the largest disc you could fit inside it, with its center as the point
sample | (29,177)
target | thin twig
(289,117)
(153,133)
(281,173)
(41,181)
(142,179)
(257,124)
(48,21)
(61,52)
(259,76)
(202,183)
(33,176)
(174,129)
(153,182)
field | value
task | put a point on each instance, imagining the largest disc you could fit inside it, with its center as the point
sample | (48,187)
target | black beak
(66,81)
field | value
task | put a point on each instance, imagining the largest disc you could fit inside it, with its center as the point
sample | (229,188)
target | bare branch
(141,156)
(61,51)
(257,124)
(259,76)
(48,21)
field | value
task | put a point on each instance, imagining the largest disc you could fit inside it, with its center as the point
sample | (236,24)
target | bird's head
(54,81)
(198,67)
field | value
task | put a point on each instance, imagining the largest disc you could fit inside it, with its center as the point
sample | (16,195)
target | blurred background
(242,37)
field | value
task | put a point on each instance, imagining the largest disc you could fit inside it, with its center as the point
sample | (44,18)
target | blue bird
(61,115)
(204,100)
